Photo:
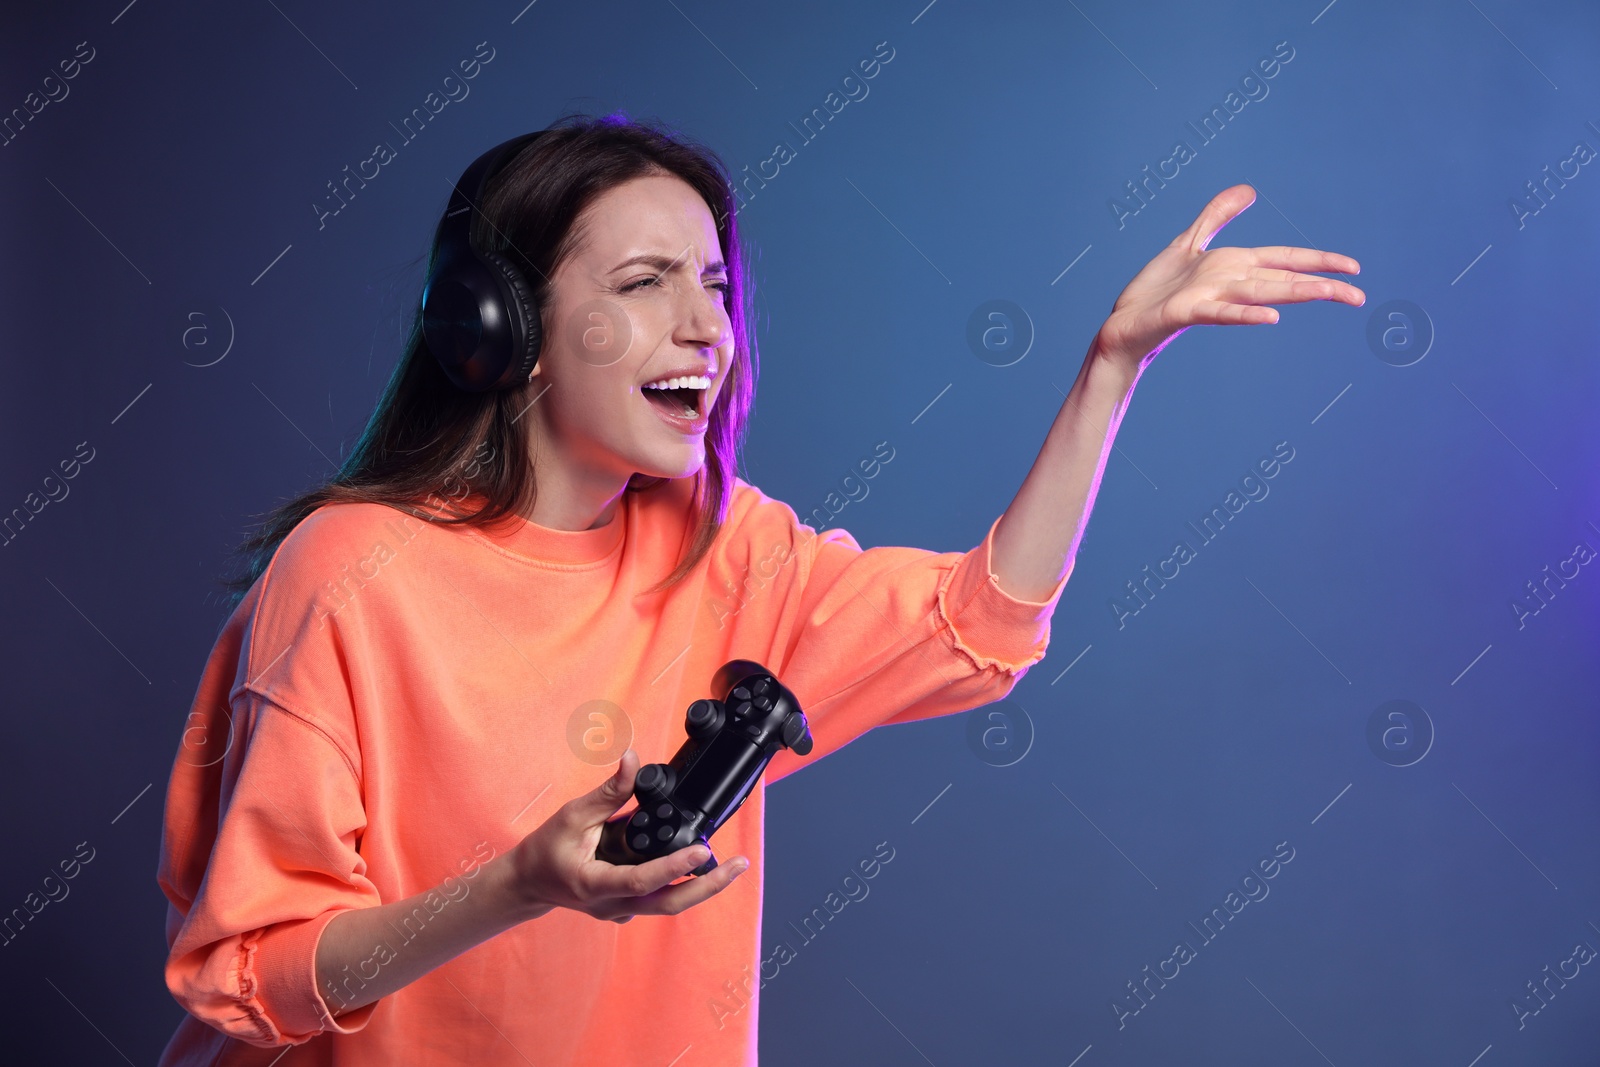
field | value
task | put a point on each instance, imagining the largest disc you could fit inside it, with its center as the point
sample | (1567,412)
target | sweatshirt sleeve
(284,862)
(892,635)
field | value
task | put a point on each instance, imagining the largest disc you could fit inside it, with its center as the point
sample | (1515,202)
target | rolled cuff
(283,982)
(990,626)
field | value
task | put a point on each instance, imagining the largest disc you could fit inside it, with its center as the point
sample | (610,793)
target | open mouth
(679,403)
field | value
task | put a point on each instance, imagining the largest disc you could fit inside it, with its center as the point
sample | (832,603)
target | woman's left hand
(1186,285)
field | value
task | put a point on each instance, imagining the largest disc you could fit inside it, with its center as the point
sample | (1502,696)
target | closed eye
(724,287)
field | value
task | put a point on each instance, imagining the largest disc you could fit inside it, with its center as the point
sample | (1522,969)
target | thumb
(595,806)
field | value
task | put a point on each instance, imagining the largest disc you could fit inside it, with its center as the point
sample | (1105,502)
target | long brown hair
(426,434)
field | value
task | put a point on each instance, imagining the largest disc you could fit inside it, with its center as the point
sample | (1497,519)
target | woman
(381,824)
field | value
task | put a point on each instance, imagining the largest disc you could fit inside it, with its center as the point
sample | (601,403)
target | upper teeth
(693,381)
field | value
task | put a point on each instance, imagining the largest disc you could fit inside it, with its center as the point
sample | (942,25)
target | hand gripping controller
(732,738)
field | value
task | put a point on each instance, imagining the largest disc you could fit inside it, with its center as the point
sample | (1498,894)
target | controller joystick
(704,719)
(653,784)
(732,737)
(796,734)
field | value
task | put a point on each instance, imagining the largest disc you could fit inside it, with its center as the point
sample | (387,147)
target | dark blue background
(1180,748)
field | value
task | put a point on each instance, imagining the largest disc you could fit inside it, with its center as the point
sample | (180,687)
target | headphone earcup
(479,316)
(523,308)
(482,323)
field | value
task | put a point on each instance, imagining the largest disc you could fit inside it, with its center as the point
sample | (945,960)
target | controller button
(753,730)
(740,693)
(664,833)
(641,842)
(741,709)
(640,819)
(664,811)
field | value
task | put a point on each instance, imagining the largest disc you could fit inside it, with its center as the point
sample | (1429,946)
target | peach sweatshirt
(394,703)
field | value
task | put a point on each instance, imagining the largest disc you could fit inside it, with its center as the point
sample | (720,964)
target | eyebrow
(666,263)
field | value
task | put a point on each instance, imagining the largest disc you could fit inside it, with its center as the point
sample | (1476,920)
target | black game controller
(732,738)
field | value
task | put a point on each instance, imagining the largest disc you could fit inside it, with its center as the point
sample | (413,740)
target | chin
(686,468)
(675,473)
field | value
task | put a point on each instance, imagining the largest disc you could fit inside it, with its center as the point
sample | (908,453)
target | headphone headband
(479,317)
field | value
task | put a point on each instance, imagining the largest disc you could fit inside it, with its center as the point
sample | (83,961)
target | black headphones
(479,316)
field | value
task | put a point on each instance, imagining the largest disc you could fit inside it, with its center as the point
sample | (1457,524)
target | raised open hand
(1187,285)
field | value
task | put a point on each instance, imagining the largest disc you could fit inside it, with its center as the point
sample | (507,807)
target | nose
(703,322)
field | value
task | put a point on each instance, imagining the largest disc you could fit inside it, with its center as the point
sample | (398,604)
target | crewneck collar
(523,537)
